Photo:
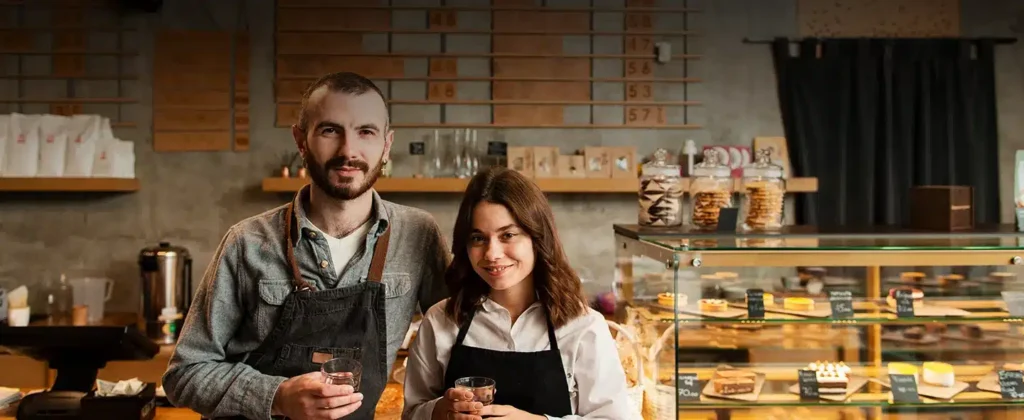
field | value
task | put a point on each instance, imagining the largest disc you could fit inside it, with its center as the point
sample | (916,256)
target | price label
(68,65)
(1011,384)
(727,218)
(755,303)
(842,303)
(689,387)
(904,388)
(645,116)
(417,148)
(1014,303)
(444,67)
(904,303)
(639,44)
(638,69)
(808,384)
(497,148)
(65,109)
(639,21)
(441,91)
(639,91)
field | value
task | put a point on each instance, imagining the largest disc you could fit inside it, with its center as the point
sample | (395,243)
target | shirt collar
(489,305)
(379,218)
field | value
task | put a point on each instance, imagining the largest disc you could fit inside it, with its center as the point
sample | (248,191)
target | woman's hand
(457,405)
(508,412)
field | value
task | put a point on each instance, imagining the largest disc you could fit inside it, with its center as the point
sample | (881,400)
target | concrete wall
(190,199)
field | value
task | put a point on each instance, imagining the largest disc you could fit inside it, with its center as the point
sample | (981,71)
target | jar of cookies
(710,190)
(661,192)
(763,191)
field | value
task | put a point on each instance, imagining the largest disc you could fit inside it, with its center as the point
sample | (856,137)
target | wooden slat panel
(542,91)
(526,21)
(541,67)
(639,21)
(68,65)
(327,3)
(193,81)
(319,43)
(191,41)
(65,109)
(66,17)
(70,41)
(291,90)
(190,119)
(299,19)
(443,20)
(367,66)
(17,41)
(638,68)
(441,91)
(641,3)
(444,67)
(645,116)
(288,114)
(514,3)
(529,114)
(639,44)
(639,92)
(164,141)
(527,44)
(241,100)
(195,99)
(194,61)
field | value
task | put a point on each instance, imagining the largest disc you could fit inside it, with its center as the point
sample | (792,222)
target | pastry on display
(670,299)
(832,377)
(1001,276)
(936,328)
(914,333)
(727,275)
(912,276)
(972,331)
(734,381)
(916,294)
(950,279)
(1013,366)
(713,305)
(938,374)
(901,368)
(798,304)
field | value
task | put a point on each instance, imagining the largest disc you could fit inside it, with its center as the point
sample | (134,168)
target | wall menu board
(200,91)
(71,58)
(506,64)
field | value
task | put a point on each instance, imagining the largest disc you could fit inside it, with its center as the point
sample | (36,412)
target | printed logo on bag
(103,155)
(21,138)
(49,139)
(78,139)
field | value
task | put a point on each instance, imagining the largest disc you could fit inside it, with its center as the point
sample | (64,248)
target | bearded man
(336,273)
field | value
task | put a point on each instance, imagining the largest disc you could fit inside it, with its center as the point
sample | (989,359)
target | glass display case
(803,323)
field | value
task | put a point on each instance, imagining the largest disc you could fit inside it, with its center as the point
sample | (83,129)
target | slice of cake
(798,304)
(914,333)
(972,331)
(912,276)
(938,374)
(734,381)
(670,299)
(916,294)
(713,305)
(832,378)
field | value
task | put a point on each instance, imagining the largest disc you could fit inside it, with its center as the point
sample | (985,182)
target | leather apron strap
(380,252)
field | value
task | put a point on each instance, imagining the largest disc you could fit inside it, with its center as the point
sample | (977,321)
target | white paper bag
(103,164)
(5,122)
(23,146)
(83,134)
(124,165)
(52,145)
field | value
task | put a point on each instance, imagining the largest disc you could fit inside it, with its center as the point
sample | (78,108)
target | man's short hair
(345,82)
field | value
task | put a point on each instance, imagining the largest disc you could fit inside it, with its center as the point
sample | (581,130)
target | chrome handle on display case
(1016,260)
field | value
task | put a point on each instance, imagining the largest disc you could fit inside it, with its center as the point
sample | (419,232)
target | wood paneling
(543,115)
(541,67)
(319,43)
(305,20)
(313,66)
(527,44)
(192,141)
(542,91)
(879,18)
(541,21)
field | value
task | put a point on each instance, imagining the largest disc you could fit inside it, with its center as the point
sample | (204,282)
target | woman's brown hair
(557,284)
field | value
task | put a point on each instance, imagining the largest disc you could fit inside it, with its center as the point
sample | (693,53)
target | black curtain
(872,117)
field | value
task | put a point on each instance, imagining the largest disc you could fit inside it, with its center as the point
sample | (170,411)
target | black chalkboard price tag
(904,303)
(417,148)
(808,384)
(755,303)
(842,303)
(689,387)
(904,388)
(1011,384)
(497,148)
(727,217)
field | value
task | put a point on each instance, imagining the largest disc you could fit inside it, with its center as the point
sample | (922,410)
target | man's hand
(457,405)
(508,412)
(306,397)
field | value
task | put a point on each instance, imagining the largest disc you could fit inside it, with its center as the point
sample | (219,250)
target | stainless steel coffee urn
(166,274)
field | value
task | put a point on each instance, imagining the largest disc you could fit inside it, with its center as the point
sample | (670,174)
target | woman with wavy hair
(516,314)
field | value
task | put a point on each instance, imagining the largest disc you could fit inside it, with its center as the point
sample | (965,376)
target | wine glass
(481,387)
(342,371)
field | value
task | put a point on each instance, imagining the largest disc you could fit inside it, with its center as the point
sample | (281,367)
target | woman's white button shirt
(594,373)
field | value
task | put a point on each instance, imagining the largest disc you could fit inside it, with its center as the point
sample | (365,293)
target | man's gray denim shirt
(239,300)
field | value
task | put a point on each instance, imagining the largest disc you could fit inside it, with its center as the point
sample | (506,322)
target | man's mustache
(339,162)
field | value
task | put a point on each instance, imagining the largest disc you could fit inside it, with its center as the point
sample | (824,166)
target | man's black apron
(317,325)
(534,382)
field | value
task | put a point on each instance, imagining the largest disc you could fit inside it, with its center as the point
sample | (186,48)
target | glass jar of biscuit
(710,190)
(661,192)
(763,191)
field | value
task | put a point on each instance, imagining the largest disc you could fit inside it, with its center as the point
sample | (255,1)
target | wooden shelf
(69,184)
(482,32)
(310,79)
(485,55)
(551,185)
(496,8)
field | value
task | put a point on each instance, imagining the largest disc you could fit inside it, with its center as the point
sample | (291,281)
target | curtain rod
(797,40)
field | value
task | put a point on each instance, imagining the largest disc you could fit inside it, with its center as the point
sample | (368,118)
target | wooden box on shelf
(597,162)
(942,207)
(571,166)
(545,162)
(521,159)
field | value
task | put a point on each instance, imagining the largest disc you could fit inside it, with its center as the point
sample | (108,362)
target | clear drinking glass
(436,156)
(481,387)
(342,371)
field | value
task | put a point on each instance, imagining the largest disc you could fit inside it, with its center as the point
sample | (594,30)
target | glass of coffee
(481,387)
(342,371)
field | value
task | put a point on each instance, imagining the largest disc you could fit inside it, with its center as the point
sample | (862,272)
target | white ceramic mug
(18,317)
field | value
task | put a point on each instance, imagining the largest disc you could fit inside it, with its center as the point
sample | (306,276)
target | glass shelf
(806,238)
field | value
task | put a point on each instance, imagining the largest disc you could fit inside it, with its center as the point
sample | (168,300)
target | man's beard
(319,175)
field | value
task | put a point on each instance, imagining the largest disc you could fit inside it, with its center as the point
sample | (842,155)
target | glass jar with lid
(661,192)
(710,190)
(764,191)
